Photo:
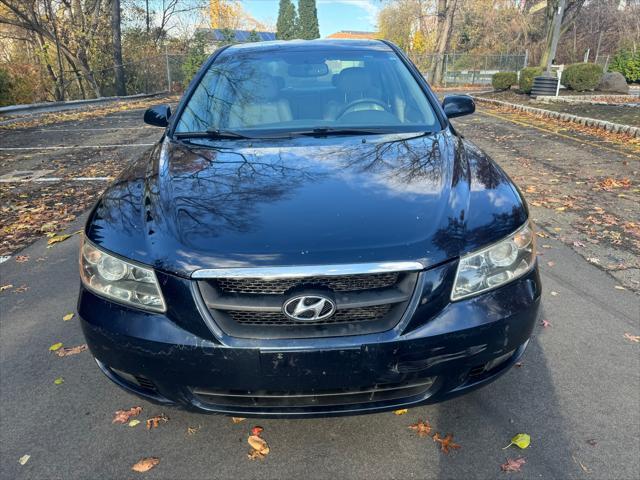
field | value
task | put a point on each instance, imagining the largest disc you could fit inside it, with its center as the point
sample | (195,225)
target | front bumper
(446,351)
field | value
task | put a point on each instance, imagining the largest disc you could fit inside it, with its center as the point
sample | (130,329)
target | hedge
(527,75)
(504,80)
(628,64)
(582,76)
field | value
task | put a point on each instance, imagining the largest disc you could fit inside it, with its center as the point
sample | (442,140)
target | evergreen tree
(308,19)
(287,21)
(253,36)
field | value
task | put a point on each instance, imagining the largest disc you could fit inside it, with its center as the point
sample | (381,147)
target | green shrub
(527,75)
(6,87)
(504,80)
(582,76)
(628,64)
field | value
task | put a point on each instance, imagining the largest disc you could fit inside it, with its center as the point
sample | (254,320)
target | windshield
(287,91)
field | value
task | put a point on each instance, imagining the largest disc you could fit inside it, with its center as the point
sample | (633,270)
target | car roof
(310,45)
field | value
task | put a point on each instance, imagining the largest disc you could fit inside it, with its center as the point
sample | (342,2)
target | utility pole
(557,23)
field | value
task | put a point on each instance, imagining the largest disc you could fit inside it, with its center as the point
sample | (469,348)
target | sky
(333,15)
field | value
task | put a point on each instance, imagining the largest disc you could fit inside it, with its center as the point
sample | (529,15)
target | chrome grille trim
(267,273)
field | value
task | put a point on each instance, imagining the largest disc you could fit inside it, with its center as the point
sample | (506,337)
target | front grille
(281,285)
(253,307)
(319,398)
(341,316)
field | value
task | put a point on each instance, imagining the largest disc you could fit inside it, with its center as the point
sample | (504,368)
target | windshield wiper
(214,134)
(326,131)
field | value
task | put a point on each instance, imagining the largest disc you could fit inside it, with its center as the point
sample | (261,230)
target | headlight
(118,280)
(496,265)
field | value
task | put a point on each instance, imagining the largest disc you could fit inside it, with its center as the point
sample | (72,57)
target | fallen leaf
(154,421)
(237,419)
(521,440)
(401,411)
(5,287)
(68,317)
(55,346)
(193,430)
(24,459)
(257,430)
(512,465)
(578,244)
(554,294)
(123,416)
(551,264)
(60,238)
(145,464)
(423,429)
(592,442)
(633,338)
(67,351)
(593,260)
(59,381)
(21,289)
(22,258)
(446,443)
(545,323)
(133,423)
(259,448)
(619,287)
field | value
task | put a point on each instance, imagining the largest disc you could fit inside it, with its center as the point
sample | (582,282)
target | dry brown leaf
(423,429)
(633,338)
(446,443)
(154,421)
(22,258)
(5,287)
(66,351)
(122,416)
(237,419)
(21,289)
(193,430)
(512,465)
(259,448)
(545,323)
(145,464)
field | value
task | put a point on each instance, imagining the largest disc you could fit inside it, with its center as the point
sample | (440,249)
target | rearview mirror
(158,116)
(458,105)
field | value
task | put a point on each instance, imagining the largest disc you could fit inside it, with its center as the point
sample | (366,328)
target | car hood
(306,201)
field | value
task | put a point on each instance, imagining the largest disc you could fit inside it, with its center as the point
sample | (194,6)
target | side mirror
(458,105)
(158,116)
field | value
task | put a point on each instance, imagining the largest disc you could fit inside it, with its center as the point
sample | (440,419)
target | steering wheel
(350,106)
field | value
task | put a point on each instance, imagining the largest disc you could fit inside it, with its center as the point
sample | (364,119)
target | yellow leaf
(133,423)
(67,317)
(521,440)
(402,411)
(59,381)
(60,238)
(55,346)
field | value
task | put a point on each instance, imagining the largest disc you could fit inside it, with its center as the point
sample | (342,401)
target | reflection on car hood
(306,201)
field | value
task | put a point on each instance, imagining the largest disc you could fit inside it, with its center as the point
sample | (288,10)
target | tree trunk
(446,13)
(121,88)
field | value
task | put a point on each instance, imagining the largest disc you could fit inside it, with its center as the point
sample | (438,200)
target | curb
(567,117)
(47,107)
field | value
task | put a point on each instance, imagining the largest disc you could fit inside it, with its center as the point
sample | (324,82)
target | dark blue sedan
(311,236)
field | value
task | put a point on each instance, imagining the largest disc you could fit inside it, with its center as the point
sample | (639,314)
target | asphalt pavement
(577,393)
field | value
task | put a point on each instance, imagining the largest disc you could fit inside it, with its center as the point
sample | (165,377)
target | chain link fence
(468,69)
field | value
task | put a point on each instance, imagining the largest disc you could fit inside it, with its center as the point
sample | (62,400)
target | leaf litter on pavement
(145,464)
(513,465)
(123,416)
(259,447)
(68,351)
(154,421)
